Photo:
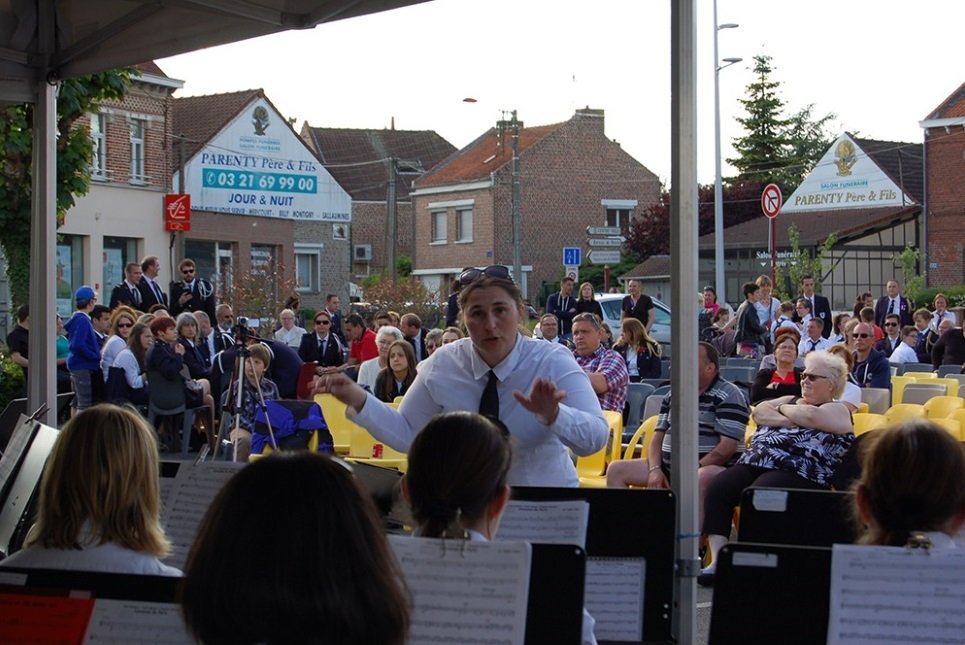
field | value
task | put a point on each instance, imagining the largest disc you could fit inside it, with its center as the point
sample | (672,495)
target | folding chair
(167,399)
(942,407)
(903,412)
(637,394)
(877,398)
(867,422)
(921,392)
(949,370)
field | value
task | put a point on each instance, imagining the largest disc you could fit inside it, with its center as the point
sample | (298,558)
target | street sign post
(771,201)
(572,272)
(605,231)
(604,241)
(604,257)
(572,256)
(177,212)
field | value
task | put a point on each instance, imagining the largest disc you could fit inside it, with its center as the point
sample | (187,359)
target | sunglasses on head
(492,271)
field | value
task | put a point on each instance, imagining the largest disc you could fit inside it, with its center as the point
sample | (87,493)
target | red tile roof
(199,118)
(356,157)
(488,153)
(951,107)
(150,67)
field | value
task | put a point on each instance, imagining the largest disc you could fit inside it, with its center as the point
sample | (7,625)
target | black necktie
(157,292)
(891,307)
(489,403)
(813,343)
(135,297)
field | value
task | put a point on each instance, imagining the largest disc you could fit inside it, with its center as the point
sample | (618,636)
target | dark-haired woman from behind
(456,483)
(911,486)
(291,551)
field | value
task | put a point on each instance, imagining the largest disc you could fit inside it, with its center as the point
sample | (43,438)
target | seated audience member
(243,419)
(784,379)
(641,354)
(798,444)
(606,369)
(950,348)
(607,336)
(369,370)
(292,551)
(871,368)
(289,333)
(186,326)
(456,481)
(99,505)
(905,351)
(911,486)
(721,417)
(785,319)
(131,361)
(122,320)
(867,315)
(549,327)
(769,362)
(400,370)
(362,341)
(451,334)
(849,333)
(892,337)
(433,340)
(381,319)
(851,396)
(322,347)
(837,328)
(813,340)
(166,358)
(921,319)
(940,303)
(415,334)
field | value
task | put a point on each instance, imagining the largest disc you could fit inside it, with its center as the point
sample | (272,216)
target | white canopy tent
(42,41)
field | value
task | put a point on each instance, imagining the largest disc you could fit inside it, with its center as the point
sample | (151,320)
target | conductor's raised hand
(342,388)
(543,400)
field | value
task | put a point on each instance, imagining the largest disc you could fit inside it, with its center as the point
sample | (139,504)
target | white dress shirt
(805,345)
(903,354)
(132,371)
(454,378)
(114,346)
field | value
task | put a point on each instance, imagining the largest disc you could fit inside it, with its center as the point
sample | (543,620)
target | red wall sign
(177,212)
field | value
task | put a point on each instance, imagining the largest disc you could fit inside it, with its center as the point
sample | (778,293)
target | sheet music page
(29,618)
(465,592)
(15,448)
(614,597)
(896,595)
(193,491)
(136,622)
(551,522)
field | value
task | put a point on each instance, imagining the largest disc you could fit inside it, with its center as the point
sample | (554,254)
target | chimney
(588,118)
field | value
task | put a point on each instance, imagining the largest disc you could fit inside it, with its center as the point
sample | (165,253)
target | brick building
(121,218)
(945,191)
(360,161)
(571,176)
(262,202)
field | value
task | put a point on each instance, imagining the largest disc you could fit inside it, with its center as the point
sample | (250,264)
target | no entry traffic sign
(771,200)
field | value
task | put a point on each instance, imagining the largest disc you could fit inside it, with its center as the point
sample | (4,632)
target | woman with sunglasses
(122,321)
(798,444)
(535,388)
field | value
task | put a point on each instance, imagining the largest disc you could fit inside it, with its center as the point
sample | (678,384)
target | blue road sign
(572,256)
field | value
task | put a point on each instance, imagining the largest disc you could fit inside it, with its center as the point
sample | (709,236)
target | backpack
(292,423)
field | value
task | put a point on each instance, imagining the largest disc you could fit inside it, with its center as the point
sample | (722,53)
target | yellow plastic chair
(642,437)
(614,421)
(941,407)
(312,447)
(959,415)
(904,411)
(953,426)
(866,421)
(338,424)
(591,469)
(951,385)
(864,408)
(898,384)
(921,376)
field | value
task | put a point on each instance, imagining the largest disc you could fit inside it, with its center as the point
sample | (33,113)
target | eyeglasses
(856,336)
(124,325)
(807,376)
(323,322)
(492,271)
(891,324)
(187,271)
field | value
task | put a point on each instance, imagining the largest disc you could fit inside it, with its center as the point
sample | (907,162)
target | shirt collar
(504,369)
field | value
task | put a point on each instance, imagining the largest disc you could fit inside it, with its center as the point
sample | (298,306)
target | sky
(880,65)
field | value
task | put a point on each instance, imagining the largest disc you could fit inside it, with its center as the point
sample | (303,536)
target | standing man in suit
(322,346)
(127,292)
(820,307)
(563,306)
(893,303)
(191,293)
(332,304)
(151,291)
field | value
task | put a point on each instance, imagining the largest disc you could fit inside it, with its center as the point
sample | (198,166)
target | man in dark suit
(415,334)
(191,293)
(563,306)
(151,291)
(820,307)
(321,346)
(893,303)
(892,337)
(127,291)
(332,303)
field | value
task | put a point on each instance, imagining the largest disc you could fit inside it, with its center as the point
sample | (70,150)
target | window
(464,225)
(98,162)
(618,217)
(118,251)
(307,274)
(137,150)
(439,235)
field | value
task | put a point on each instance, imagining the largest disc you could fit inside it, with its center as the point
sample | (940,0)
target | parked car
(660,332)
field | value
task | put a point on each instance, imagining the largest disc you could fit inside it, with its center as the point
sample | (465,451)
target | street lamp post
(718,187)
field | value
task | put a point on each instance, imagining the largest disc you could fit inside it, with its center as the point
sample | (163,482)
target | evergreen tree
(75,98)
(808,140)
(763,148)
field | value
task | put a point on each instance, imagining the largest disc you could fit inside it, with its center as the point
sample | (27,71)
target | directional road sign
(604,241)
(771,200)
(604,257)
(572,256)
(603,230)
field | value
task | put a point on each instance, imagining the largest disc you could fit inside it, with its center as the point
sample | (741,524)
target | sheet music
(193,491)
(551,522)
(15,448)
(26,481)
(896,595)
(614,597)
(140,622)
(465,592)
